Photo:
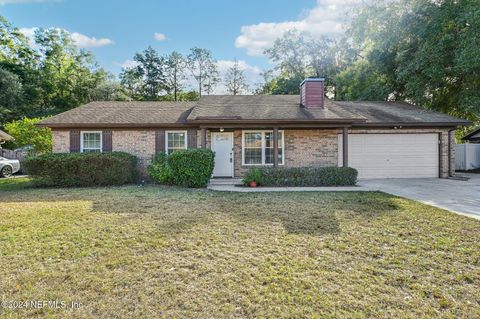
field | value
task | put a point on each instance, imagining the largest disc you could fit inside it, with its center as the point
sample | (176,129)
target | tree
(67,74)
(132,83)
(425,52)
(203,68)
(300,55)
(109,90)
(235,80)
(175,73)
(11,96)
(27,134)
(151,69)
(360,81)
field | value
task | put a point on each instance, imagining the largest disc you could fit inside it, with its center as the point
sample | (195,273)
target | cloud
(2,2)
(159,36)
(83,41)
(28,32)
(80,40)
(127,64)
(328,17)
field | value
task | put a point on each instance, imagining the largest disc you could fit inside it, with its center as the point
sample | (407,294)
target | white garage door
(392,155)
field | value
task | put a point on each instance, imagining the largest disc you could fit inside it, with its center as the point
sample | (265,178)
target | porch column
(204,137)
(345,147)
(275,147)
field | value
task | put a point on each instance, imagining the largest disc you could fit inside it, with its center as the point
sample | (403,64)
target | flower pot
(252,184)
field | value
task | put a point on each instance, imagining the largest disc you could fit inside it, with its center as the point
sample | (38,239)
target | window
(175,140)
(91,142)
(257,148)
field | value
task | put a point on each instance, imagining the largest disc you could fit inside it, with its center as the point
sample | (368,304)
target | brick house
(379,139)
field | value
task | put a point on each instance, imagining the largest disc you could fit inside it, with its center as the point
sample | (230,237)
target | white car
(8,167)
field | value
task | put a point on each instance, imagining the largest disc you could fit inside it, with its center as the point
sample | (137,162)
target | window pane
(91,150)
(253,140)
(253,156)
(175,141)
(91,142)
(268,139)
(269,148)
(269,156)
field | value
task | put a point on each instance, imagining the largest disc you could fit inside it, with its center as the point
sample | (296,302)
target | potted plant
(253,177)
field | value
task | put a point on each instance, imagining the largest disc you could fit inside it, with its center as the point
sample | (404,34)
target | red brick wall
(312,93)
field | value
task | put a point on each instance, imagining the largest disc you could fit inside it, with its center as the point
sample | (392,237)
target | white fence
(11,154)
(467,156)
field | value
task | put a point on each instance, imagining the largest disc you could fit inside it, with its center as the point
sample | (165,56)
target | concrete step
(225,181)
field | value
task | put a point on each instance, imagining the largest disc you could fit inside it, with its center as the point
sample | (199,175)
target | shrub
(26,133)
(253,175)
(309,176)
(192,167)
(159,170)
(82,169)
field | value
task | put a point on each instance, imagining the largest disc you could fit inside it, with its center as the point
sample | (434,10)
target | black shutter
(160,141)
(106,141)
(192,138)
(74,141)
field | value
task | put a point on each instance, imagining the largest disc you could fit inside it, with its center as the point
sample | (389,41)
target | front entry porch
(239,149)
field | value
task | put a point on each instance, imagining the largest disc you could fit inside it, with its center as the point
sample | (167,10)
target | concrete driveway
(461,197)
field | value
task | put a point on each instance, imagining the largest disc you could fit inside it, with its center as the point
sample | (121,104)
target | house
(4,137)
(379,139)
(473,137)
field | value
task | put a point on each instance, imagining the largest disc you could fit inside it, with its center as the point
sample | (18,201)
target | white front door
(222,146)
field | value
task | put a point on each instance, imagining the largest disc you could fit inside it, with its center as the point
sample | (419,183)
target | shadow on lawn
(299,213)
(177,211)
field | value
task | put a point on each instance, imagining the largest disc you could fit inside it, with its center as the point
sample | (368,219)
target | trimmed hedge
(309,176)
(82,169)
(191,167)
(159,170)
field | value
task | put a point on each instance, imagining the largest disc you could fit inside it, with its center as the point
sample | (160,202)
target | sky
(242,29)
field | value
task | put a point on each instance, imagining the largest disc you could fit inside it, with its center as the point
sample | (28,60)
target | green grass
(156,252)
(15,183)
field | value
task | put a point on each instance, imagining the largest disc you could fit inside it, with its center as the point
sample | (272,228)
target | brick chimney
(312,92)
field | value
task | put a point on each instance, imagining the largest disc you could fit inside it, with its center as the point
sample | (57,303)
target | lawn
(157,252)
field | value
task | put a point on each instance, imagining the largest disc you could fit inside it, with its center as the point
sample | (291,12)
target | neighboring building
(4,137)
(473,137)
(382,139)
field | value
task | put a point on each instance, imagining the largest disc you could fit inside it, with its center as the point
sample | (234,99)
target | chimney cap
(312,80)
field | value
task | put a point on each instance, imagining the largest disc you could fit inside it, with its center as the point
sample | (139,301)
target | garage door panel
(392,155)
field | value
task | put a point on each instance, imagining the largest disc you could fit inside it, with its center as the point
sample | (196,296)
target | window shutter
(192,138)
(74,141)
(160,141)
(106,141)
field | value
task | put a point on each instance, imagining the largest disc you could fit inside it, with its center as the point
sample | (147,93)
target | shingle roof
(286,107)
(4,136)
(123,114)
(219,109)
(266,107)
(397,112)
(474,135)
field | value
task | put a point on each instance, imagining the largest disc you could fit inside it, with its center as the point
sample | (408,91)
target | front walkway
(458,196)
(234,185)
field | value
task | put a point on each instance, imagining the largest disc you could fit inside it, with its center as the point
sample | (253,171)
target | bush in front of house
(159,171)
(253,175)
(308,176)
(191,167)
(82,169)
